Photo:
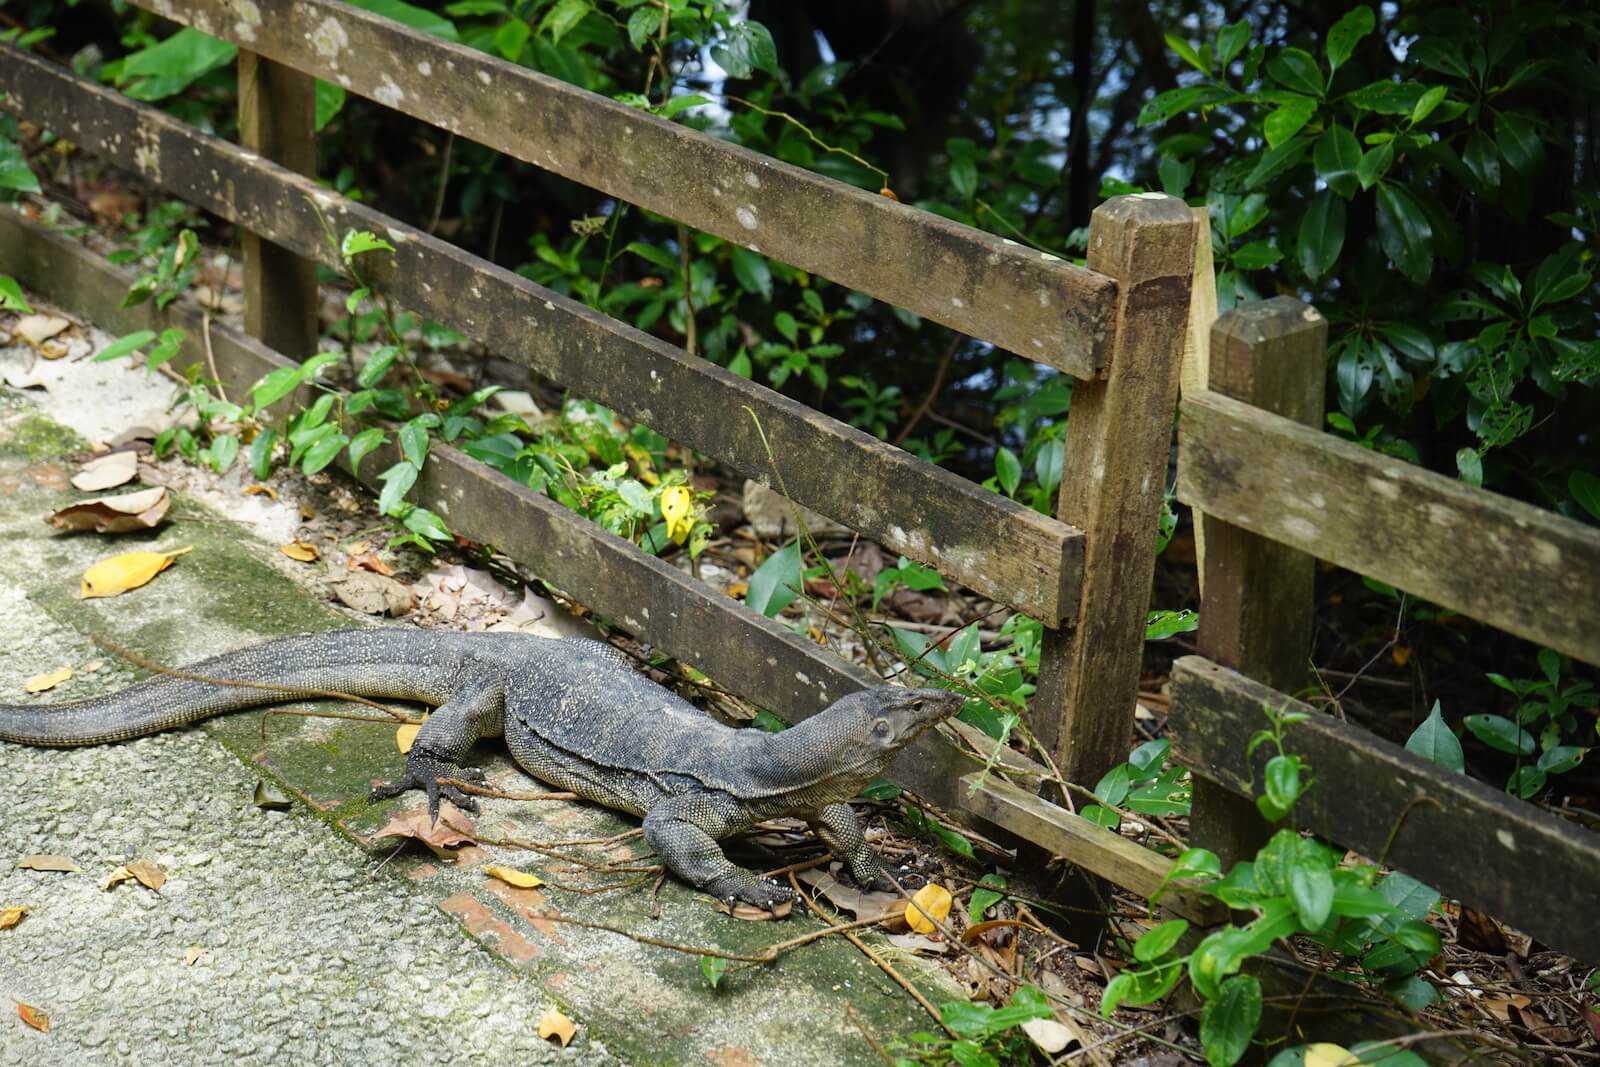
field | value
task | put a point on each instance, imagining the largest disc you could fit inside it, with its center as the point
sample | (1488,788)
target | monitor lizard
(574,714)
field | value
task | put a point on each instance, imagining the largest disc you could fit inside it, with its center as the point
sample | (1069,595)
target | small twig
(861,1024)
(769,956)
(444,182)
(211,358)
(479,789)
(933,390)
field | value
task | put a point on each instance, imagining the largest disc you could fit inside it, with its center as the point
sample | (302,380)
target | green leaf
(1173,101)
(1231,41)
(426,523)
(414,439)
(511,39)
(122,346)
(1434,740)
(261,453)
(682,102)
(397,482)
(1281,780)
(362,445)
(1286,120)
(1469,465)
(964,176)
(1500,733)
(324,452)
(330,100)
(711,967)
(410,15)
(1257,255)
(377,365)
(175,63)
(1149,756)
(561,18)
(222,451)
(752,271)
(1346,33)
(358,241)
(167,346)
(1519,144)
(11,298)
(1387,97)
(275,385)
(1374,165)
(1162,624)
(985,896)
(775,583)
(1276,160)
(1526,782)
(1482,160)
(1404,231)
(1295,68)
(1311,889)
(1008,469)
(1337,157)
(1113,786)
(1427,102)
(14,170)
(1585,490)
(1159,940)
(643,24)
(748,48)
(1229,1021)
(1561,759)
(1321,237)
(1187,53)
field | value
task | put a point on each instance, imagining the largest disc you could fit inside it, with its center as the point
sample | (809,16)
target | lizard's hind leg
(684,830)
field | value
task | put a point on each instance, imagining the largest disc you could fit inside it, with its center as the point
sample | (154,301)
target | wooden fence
(1117,326)
(1276,494)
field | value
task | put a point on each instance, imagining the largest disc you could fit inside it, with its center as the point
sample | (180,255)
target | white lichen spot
(957,302)
(1317,500)
(1008,241)
(397,236)
(443,505)
(1440,515)
(1386,489)
(427,288)
(329,39)
(425,69)
(645,612)
(800,676)
(1149,196)
(631,622)
(1036,343)
(344,81)
(752,180)
(549,306)
(483,76)
(1311,314)
(747,217)
(1546,553)
(1048,258)
(1298,527)
(388,94)
(1043,296)
(244,31)
(1507,839)
(772,661)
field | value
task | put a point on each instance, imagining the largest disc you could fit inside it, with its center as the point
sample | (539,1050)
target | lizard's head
(836,752)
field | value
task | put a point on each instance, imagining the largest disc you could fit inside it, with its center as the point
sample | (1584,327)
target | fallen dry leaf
(916,943)
(374,594)
(1479,932)
(271,796)
(1049,1035)
(512,876)
(142,510)
(52,350)
(930,905)
(144,872)
(43,862)
(737,590)
(366,561)
(303,551)
(39,683)
(191,954)
(554,1024)
(37,329)
(11,916)
(754,913)
(107,472)
(34,1017)
(1327,1054)
(451,831)
(977,930)
(405,735)
(261,490)
(862,904)
(118,574)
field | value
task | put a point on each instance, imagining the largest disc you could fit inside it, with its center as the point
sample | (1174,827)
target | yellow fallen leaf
(1401,654)
(121,874)
(738,590)
(150,876)
(34,1017)
(929,905)
(303,551)
(553,1024)
(406,735)
(10,917)
(261,490)
(118,574)
(1325,1054)
(192,953)
(41,682)
(512,876)
(677,507)
(42,862)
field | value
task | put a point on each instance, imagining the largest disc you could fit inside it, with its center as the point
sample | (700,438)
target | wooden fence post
(1257,612)
(277,119)
(1119,438)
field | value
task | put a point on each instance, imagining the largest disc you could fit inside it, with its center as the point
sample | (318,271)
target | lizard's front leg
(684,831)
(838,827)
(477,709)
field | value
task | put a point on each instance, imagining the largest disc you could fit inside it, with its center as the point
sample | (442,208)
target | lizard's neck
(822,753)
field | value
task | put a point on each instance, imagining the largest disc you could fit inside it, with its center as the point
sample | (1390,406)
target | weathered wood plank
(1503,562)
(277,119)
(1034,304)
(1112,482)
(1000,548)
(1079,841)
(1197,342)
(754,657)
(1257,611)
(1467,840)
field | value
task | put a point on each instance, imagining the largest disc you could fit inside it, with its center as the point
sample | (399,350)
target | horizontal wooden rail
(993,545)
(1086,844)
(1465,839)
(1503,562)
(1030,302)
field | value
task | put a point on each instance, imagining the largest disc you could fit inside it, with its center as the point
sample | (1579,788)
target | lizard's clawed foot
(423,771)
(762,892)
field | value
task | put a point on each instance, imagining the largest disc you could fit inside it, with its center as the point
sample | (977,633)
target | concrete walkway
(298,936)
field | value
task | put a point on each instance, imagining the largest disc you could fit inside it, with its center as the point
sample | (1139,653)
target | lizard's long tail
(362,663)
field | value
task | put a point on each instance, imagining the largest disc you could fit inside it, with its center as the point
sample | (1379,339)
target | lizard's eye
(918,704)
(882,728)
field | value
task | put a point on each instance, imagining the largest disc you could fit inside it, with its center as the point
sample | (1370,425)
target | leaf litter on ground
(140,510)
